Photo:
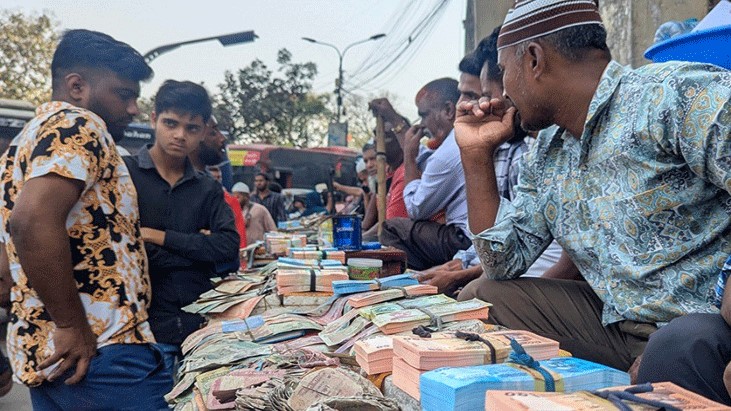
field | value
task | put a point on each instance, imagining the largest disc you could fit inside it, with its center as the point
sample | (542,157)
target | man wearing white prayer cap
(257,217)
(633,182)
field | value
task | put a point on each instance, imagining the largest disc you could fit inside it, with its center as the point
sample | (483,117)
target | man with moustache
(633,184)
(79,335)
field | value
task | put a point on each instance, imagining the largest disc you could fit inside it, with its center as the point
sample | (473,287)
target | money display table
(297,334)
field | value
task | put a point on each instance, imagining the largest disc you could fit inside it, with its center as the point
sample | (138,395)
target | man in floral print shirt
(634,184)
(78,334)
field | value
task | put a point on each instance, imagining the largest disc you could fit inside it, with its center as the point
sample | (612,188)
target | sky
(146,24)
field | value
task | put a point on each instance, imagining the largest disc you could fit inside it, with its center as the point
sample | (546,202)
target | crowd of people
(587,201)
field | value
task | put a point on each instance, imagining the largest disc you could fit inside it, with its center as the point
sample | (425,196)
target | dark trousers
(120,377)
(426,243)
(563,310)
(692,352)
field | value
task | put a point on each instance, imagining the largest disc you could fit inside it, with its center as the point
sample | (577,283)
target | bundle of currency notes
(664,392)
(279,243)
(414,356)
(375,297)
(222,393)
(372,311)
(373,350)
(464,388)
(358,286)
(456,349)
(234,297)
(435,315)
(300,280)
(326,253)
(289,262)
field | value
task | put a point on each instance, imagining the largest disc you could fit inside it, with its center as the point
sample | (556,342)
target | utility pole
(339,80)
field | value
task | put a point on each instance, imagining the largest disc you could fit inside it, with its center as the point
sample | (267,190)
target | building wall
(630,24)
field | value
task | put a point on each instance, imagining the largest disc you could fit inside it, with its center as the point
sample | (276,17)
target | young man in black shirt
(186,225)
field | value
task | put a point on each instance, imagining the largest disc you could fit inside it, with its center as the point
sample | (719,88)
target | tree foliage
(258,106)
(27,43)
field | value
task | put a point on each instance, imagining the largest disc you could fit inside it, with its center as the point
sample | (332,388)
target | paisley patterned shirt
(640,201)
(110,265)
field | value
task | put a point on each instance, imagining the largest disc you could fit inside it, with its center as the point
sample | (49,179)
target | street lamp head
(311,40)
(237,38)
(225,40)
(378,36)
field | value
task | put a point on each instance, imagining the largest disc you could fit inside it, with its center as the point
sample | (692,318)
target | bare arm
(479,129)
(38,230)
(411,151)
(564,269)
(371,215)
(349,190)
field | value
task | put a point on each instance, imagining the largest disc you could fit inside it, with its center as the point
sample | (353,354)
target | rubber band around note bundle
(435,320)
(404,292)
(422,331)
(476,337)
(520,357)
(313,280)
(617,398)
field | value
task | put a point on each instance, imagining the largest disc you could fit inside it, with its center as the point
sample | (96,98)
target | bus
(294,167)
(14,114)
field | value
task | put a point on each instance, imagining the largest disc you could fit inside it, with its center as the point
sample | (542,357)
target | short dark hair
(489,51)
(574,43)
(183,96)
(472,62)
(265,175)
(444,89)
(93,50)
(368,146)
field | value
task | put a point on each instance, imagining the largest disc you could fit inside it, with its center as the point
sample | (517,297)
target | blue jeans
(120,377)
(171,354)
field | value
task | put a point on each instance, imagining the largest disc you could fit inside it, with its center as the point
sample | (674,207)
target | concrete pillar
(630,24)
(482,18)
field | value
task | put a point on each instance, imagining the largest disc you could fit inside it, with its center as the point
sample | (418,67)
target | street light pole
(339,80)
(224,39)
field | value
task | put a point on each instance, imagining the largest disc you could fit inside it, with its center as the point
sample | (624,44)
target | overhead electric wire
(416,39)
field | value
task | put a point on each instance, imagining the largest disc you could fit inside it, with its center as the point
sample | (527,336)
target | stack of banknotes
(464,388)
(359,286)
(413,356)
(665,393)
(280,243)
(375,297)
(407,319)
(374,351)
(294,280)
(316,253)
(235,296)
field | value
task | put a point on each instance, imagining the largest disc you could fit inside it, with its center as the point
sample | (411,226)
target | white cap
(240,188)
(360,165)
